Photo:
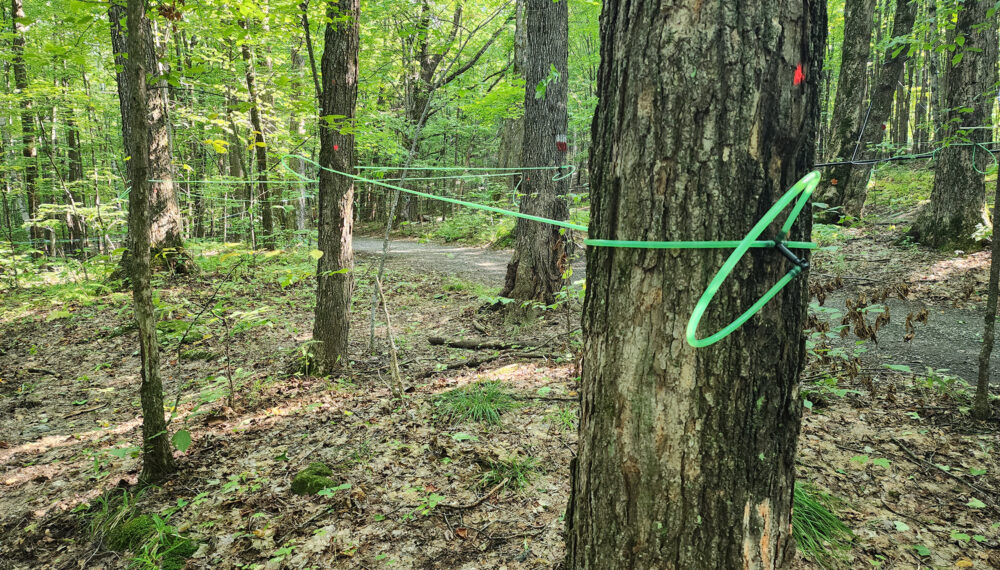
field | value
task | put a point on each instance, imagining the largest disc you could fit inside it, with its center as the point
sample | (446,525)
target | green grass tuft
(819,534)
(482,402)
(518,472)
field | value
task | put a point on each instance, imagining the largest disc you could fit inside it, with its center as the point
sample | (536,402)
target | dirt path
(950,340)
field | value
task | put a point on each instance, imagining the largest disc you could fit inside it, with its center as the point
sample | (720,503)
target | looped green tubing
(803,188)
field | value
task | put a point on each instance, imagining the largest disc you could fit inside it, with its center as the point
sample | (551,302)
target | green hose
(803,189)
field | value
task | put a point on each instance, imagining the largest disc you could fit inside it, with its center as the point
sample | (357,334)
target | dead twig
(480,500)
(397,379)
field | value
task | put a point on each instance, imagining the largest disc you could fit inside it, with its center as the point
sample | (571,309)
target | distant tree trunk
(142,140)
(28,150)
(849,107)
(339,67)
(686,456)
(260,151)
(165,214)
(297,132)
(958,200)
(536,269)
(851,188)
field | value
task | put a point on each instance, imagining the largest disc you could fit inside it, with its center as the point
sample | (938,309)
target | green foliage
(819,534)
(482,402)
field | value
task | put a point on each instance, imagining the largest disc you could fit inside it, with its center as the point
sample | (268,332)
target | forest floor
(913,476)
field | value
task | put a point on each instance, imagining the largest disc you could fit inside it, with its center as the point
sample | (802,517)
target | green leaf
(922,550)
(958,58)
(899,367)
(960,536)
(976,503)
(976,472)
(331,491)
(901,526)
(182,440)
(881,462)
(315,254)
(463,437)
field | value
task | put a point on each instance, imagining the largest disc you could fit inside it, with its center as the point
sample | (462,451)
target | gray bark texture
(851,188)
(686,456)
(535,271)
(849,108)
(958,200)
(339,66)
(141,139)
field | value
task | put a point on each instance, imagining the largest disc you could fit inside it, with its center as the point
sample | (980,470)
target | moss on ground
(312,479)
(130,534)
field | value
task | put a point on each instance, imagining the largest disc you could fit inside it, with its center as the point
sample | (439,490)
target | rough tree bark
(686,456)
(28,149)
(958,200)
(536,269)
(165,215)
(851,188)
(849,106)
(139,115)
(339,66)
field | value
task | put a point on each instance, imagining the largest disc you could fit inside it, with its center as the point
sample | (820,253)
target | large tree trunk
(535,271)
(165,215)
(981,407)
(260,151)
(958,200)
(28,149)
(142,140)
(686,456)
(849,107)
(339,67)
(851,188)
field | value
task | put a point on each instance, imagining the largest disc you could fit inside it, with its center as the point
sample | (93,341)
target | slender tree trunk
(851,188)
(28,149)
(297,132)
(687,456)
(142,140)
(339,67)
(981,407)
(535,272)
(260,151)
(958,200)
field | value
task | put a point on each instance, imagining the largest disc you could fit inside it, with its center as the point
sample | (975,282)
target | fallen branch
(43,371)
(474,362)
(474,344)
(81,412)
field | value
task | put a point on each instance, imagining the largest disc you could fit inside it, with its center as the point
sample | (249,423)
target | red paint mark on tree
(561,143)
(800,75)
(336,147)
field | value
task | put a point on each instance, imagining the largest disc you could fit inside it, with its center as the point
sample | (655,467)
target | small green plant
(482,402)
(516,471)
(819,534)
(564,419)
(425,507)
